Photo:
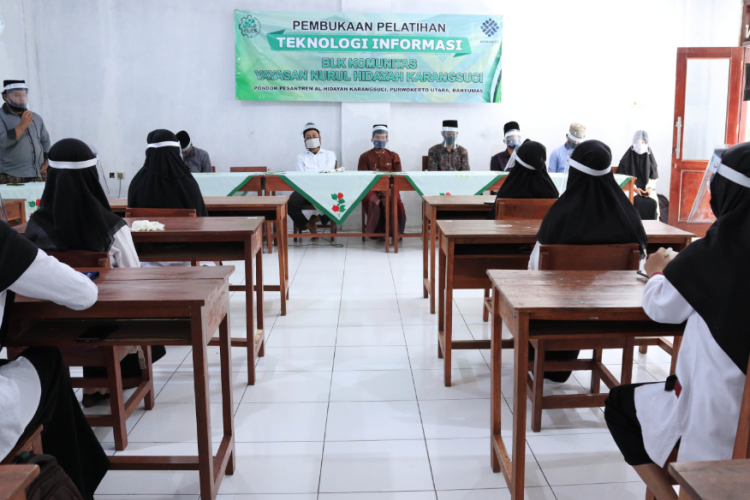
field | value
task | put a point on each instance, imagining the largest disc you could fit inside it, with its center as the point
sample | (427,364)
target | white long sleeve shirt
(705,415)
(322,160)
(122,253)
(20,389)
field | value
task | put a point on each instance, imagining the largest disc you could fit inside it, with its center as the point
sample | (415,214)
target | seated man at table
(593,210)
(511,139)
(384,160)
(448,155)
(35,388)
(698,408)
(314,159)
(195,158)
(576,135)
(75,216)
(528,177)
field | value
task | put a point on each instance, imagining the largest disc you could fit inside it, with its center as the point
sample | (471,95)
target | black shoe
(90,400)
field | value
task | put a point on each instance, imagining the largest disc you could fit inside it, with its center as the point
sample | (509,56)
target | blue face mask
(379,144)
(450,140)
(512,144)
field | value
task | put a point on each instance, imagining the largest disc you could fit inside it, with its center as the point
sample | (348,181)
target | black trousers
(67,434)
(646,207)
(622,421)
(295,205)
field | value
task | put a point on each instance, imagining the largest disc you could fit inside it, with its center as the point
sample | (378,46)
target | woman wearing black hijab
(165,181)
(639,162)
(593,210)
(528,177)
(35,387)
(705,285)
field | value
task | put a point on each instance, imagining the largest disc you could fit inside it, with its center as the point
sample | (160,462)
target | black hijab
(713,273)
(593,210)
(16,255)
(165,181)
(642,166)
(74,212)
(525,182)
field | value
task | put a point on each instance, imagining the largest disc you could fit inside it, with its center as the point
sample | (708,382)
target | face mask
(15,105)
(571,145)
(449,140)
(640,148)
(312,143)
(379,144)
(511,143)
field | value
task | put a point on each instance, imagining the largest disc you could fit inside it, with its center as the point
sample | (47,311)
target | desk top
(15,478)
(540,293)
(222,202)
(459,201)
(525,230)
(716,480)
(161,273)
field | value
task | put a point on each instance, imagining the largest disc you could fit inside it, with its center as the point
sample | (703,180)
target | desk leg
(250,311)
(227,404)
(286,250)
(446,269)
(496,397)
(425,243)
(282,258)
(259,305)
(520,393)
(387,219)
(441,306)
(433,232)
(394,216)
(202,407)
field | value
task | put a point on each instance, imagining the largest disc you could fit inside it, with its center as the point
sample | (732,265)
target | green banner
(356,57)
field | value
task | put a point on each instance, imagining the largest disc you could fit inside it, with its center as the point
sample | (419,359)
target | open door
(708,94)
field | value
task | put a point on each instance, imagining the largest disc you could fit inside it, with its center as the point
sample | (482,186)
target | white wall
(111,71)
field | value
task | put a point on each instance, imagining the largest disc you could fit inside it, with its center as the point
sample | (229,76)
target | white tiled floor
(349,401)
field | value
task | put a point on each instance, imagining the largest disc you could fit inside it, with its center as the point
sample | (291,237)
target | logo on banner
(249,26)
(490,27)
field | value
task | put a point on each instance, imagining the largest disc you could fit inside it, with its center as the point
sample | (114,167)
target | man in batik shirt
(448,155)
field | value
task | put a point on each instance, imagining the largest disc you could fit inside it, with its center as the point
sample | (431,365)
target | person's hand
(44,167)
(656,262)
(26,119)
(639,191)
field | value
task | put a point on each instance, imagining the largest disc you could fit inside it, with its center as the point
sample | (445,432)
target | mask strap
(732,175)
(73,165)
(519,160)
(587,170)
(164,144)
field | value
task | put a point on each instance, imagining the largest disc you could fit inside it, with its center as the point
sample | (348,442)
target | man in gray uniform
(24,141)
(196,159)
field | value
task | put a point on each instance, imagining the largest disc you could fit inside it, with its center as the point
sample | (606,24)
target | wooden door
(708,93)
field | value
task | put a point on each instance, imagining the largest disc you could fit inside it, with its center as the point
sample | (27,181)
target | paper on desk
(146,225)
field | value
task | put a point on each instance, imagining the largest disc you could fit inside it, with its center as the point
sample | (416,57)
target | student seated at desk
(528,177)
(35,388)
(384,160)
(705,285)
(75,216)
(165,181)
(593,210)
(639,162)
(314,159)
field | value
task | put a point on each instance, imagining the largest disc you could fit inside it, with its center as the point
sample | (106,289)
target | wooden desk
(272,208)
(193,309)
(213,239)
(469,248)
(450,208)
(401,183)
(15,211)
(715,480)
(14,479)
(560,305)
(276,183)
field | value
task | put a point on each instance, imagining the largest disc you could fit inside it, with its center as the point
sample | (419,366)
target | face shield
(379,138)
(100,172)
(515,160)
(640,142)
(17,95)
(450,137)
(513,138)
(571,163)
(701,211)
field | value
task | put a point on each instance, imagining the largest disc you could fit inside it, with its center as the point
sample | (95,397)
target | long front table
(183,309)
(547,305)
(272,208)
(469,248)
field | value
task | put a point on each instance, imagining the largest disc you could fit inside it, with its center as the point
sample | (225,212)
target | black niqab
(74,212)
(165,181)
(592,210)
(641,166)
(713,273)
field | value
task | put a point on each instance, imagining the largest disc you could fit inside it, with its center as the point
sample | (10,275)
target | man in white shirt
(314,159)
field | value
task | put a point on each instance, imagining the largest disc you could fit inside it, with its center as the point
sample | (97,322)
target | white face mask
(640,148)
(312,143)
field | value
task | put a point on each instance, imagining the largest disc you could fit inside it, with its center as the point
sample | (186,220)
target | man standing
(559,157)
(196,159)
(314,159)
(24,141)
(512,139)
(448,155)
(384,160)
